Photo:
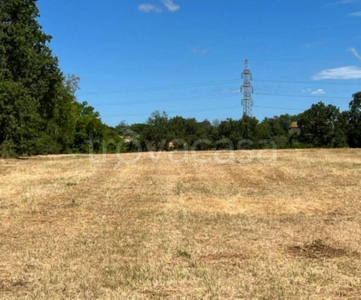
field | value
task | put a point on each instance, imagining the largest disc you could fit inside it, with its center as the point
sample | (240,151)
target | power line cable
(203,84)
(204,110)
(306,82)
(187,99)
(301,96)
(161,88)
(180,67)
(179,111)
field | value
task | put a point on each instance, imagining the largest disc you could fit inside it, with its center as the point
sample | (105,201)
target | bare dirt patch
(318,250)
(14,285)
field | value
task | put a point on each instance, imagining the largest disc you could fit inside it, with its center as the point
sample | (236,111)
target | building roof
(294,124)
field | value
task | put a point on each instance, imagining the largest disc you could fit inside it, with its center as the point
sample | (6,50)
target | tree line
(319,126)
(40,114)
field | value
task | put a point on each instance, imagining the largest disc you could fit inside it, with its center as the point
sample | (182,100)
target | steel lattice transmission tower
(247,89)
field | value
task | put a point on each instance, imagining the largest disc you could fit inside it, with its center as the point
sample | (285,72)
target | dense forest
(39,112)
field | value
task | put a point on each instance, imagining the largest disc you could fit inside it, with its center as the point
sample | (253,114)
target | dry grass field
(290,229)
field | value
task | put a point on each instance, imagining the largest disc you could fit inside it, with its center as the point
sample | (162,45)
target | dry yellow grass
(290,229)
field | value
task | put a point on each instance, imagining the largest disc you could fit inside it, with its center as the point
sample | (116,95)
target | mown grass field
(289,229)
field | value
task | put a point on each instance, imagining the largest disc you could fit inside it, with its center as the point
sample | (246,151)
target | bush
(7,149)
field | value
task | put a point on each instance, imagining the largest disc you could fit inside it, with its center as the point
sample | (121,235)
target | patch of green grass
(179,190)
(184,253)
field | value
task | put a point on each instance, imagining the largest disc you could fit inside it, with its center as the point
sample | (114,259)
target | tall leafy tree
(237,131)
(157,133)
(88,128)
(279,125)
(36,107)
(321,126)
(19,118)
(228,134)
(354,122)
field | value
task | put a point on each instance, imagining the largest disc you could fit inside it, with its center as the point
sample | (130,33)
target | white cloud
(354,51)
(147,8)
(171,5)
(350,72)
(314,92)
(318,92)
(199,51)
(355,14)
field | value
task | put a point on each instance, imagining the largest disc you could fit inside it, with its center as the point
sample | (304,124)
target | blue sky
(186,57)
